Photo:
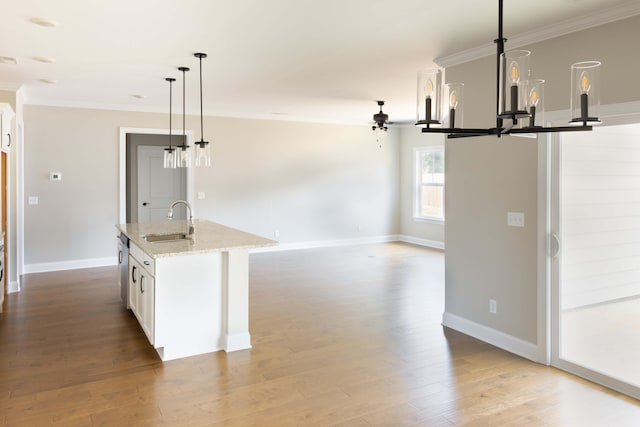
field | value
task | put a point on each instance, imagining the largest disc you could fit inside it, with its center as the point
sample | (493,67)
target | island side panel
(236,293)
(189,300)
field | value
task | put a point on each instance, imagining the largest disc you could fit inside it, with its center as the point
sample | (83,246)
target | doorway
(596,228)
(180,180)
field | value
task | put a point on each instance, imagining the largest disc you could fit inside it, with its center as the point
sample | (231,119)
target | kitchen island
(190,295)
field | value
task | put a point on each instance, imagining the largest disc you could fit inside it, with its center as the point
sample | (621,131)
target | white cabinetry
(6,115)
(142,290)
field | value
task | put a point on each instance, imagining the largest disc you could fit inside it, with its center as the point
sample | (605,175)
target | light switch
(200,195)
(33,200)
(515,219)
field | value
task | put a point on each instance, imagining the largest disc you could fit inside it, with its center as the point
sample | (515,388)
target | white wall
(487,176)
(312,182)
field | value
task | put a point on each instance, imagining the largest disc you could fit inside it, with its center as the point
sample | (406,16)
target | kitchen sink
(158,238)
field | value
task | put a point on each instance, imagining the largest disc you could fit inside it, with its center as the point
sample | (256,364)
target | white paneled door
(158,187)
(596,288)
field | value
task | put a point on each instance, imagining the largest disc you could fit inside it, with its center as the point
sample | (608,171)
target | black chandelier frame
(514,116)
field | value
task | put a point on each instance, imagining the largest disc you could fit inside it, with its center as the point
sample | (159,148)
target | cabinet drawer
(145,260)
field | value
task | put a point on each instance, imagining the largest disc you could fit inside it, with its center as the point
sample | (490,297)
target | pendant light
(203,151)
(183,150)
(170,160)
(519,103)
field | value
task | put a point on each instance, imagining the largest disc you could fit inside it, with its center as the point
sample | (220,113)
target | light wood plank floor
(342,337)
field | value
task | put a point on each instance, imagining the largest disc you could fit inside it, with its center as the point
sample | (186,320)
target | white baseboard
(239,341)
(13,287)
(108,261)
(70,265)
(421,242)
(326,243)
(492,336)
(349,242)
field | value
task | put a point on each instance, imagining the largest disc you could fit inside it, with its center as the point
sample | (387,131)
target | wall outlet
(515,219)
(493,306)
(201,195)
(276,233)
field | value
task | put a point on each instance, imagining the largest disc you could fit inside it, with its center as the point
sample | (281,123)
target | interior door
(158,187)
(596,272)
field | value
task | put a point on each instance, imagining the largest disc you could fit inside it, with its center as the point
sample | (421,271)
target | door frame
(548,197)
(122,155)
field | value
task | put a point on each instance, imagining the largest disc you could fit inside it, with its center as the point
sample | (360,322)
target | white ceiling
(323,61)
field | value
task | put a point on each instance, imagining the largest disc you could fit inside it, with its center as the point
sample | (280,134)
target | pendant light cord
(170,80)
(184,135)
(202,142)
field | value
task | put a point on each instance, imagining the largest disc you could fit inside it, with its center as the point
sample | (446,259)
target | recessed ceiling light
(44,59)
(49,81)
(43,22)
(8,60)
(138,96)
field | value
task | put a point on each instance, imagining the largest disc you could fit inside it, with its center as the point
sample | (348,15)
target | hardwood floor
(341,337)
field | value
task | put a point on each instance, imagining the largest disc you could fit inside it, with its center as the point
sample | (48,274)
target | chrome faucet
(184,202)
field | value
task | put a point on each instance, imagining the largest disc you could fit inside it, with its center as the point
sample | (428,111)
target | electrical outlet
(515,219)
(493,306)
(276,233)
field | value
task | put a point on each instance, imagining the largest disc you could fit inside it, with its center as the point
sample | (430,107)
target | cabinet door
(6,115)
(134,281)
(146,304)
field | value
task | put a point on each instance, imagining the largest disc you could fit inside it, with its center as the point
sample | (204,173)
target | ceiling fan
(380,119)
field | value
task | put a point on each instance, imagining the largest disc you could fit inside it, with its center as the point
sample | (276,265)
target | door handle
(144,203)
(556,240)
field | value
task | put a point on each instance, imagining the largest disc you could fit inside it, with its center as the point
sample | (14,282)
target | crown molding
(616,13)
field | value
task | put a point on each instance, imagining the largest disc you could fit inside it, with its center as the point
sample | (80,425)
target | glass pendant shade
(184,155)
(534,99)
(514,71)
(170,158)
(429,98)
(585,92)
(203,154)
(453,105)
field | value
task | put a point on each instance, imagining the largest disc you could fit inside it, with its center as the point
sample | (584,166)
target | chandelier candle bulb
(514,64)
(585,97)
(534,90)
(454,96)
(429,97)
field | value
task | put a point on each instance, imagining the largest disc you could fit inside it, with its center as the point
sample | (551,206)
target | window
(429,192)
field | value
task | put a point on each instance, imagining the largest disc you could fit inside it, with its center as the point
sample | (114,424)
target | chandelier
(519,99)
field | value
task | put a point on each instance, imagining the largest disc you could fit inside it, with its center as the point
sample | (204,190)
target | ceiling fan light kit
(519,98)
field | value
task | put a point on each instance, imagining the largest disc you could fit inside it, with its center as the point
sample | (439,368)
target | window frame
(418,184)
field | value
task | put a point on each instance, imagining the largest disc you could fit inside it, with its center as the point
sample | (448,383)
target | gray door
(158,187)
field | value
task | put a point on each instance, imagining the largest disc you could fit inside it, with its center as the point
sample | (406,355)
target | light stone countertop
(208,237)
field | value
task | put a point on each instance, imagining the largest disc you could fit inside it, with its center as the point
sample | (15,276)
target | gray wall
(486,177)
(311,182)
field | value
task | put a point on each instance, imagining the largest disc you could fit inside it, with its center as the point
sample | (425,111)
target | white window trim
(417,183)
